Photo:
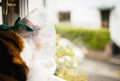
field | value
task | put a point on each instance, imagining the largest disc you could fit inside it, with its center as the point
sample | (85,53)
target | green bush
(91,38)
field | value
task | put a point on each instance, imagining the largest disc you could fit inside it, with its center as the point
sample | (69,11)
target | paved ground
(99,71)
(101,78)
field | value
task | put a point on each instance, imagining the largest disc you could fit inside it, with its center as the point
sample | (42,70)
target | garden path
(99,71)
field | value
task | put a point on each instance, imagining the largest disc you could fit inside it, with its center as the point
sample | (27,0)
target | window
(64,16)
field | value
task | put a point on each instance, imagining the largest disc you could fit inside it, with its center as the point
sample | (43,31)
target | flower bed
(68,61)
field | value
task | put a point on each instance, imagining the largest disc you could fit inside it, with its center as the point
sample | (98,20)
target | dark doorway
(115,49)
(105,15)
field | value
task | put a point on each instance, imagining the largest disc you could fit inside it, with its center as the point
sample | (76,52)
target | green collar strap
(17,24)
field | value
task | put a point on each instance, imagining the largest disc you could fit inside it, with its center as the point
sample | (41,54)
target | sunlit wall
(83,13)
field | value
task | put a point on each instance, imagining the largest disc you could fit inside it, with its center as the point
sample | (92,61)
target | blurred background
(87,35)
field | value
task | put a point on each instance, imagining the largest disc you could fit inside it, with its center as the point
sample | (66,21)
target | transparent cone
(42,43)
(44,34)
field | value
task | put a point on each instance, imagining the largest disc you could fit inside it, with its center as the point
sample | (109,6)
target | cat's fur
(12,66)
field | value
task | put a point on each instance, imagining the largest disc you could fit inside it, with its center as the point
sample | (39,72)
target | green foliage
(92,38)
(64,50)
(68,64)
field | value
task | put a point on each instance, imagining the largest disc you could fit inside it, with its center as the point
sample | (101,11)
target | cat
(12,66)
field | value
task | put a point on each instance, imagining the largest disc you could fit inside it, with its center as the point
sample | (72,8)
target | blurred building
(87,13)
(84,13)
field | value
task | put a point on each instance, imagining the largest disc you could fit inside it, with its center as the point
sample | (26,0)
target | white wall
(83,12)
(115,23)
(32,4)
